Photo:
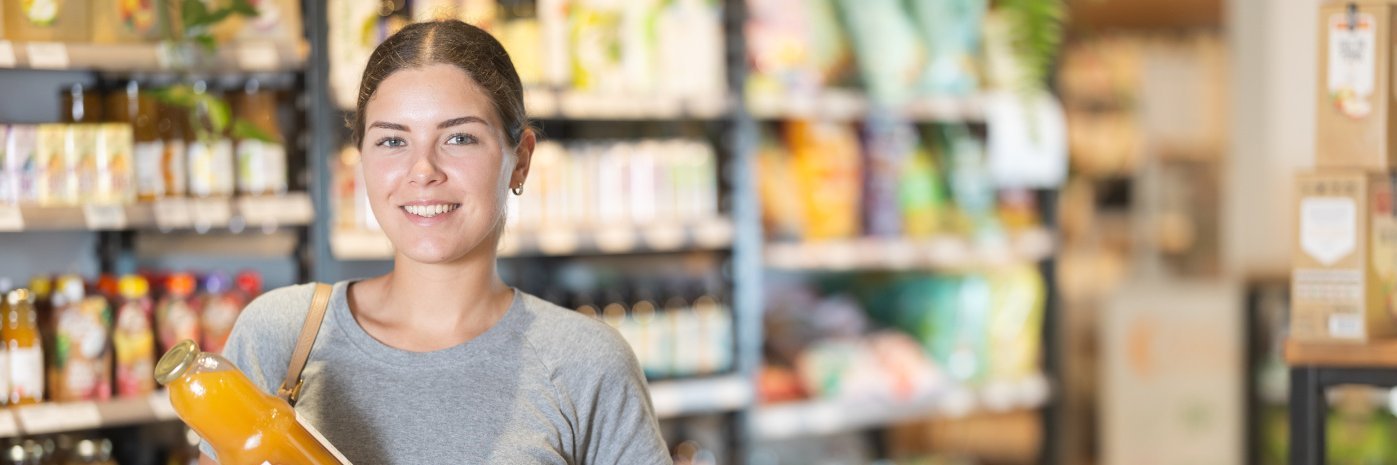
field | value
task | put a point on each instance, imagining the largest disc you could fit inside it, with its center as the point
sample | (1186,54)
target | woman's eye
(460,139)
(391,142)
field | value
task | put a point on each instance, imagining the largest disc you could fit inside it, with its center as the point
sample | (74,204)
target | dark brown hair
(455,43)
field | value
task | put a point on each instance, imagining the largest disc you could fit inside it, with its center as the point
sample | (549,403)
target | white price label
(210,213)
(8,427)
(7,54)
(47,55)
(104,217)
(172,214)
(258,210)
(257,56)
(160,405)
(715,233)
(615,239)
(52,418)
(664,236)
(11,218)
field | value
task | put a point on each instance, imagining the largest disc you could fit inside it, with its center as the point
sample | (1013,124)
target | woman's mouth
(428,211)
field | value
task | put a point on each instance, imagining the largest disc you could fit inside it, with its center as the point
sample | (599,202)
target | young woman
(439,361)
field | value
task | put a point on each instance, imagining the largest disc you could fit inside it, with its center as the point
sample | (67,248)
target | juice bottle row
(826,180)
(157,446)
(670,48)
(66,339)
(125,21)
(583,184)
(674,333)
(130,143)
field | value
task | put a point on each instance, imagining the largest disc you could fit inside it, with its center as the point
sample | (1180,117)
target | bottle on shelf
(176,315)
(173,130)
(228,411)
(82,360)
(25,367)
(133,339)
(210,151)
(219,306)
(186,452)
(135,105)
(261,163)
(42,288)
(80,103)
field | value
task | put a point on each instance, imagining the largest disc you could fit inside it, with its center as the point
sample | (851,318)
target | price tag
(7,54)
(172,214)
(104,217)
(663,236)
(713,234)
(296,209)
(52,418)
(210,213)
(257,56)
(11,218)
(8,427)
(557,241)
(47,55)
(615,239)
(258,210)
(160,405)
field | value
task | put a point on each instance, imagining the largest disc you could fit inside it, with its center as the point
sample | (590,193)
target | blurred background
(834,231)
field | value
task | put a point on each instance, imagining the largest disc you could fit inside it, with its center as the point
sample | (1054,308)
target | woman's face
(436,163)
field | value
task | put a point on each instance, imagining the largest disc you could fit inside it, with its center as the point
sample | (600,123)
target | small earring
(517,190)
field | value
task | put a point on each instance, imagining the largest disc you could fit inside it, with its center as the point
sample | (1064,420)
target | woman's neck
(424,307)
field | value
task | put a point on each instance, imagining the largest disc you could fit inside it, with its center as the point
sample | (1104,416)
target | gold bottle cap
(174,363)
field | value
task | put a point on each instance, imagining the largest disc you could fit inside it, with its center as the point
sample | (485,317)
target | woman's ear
(524,153)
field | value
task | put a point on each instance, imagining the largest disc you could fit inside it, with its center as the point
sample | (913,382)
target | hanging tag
(104,217)
(11,218)
(47,55)
(7,54)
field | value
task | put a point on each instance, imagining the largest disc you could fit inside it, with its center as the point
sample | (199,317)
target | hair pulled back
(454,43)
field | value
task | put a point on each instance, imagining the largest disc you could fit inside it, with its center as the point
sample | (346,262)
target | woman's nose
(424,170)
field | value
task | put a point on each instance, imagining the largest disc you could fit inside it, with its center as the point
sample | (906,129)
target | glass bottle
(133,339)
(243,425)
(261,163)
(23,347)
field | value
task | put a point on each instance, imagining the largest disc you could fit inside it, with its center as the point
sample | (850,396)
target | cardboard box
(1355,112)
(117,21)
(1343,285)
(47,21)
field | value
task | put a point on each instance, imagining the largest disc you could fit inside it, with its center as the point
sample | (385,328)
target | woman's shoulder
(276,314)
(571,339)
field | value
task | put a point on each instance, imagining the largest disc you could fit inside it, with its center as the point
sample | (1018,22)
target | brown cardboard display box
(1355,117)
(1344,282)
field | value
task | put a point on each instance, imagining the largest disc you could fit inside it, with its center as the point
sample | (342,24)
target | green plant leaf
(206,41)
(243,7)
(180,95)
(244,129)
(217,111)
(192,13)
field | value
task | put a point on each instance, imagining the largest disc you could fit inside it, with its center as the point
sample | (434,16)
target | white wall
(1274,51)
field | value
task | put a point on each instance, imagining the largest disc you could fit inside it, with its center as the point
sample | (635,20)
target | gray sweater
(545,385)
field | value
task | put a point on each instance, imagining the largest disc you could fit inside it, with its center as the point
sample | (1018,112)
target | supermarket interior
(921,232)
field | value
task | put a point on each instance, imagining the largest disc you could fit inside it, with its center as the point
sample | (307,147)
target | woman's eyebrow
(391,126)
(459,121)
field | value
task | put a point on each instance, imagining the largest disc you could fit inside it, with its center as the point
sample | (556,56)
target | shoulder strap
(291,386)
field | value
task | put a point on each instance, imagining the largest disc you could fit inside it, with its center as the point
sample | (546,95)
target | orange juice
(20,334)
(244,425)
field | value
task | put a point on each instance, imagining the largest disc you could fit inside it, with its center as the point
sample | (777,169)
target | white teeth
(428,211)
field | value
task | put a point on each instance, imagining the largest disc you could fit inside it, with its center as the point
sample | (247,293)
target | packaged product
(219,305)
(827,166)
(115,21)
(243,424)
(261,163)
(176,316)
(133,338)
(1344,280)
(1356,117)
(114,176)
(82,359)
(21,165)
(47,20)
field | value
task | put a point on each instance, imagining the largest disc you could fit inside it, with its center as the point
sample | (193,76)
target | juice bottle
(171,126)
(229,412)
(22,346)
(80,104)
(210,152)
(261,163)
(137,107)
(41,286)
(176,317)
(133,339)
(219,308)
(82,356)
(249,286)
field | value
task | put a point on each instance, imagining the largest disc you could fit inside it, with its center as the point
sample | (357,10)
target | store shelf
(293,209)
(48,418)
(698,396)
(552,104)
(713,234)
(935,253)
(1368,355)
(846,105)
(252,56)
(825,417)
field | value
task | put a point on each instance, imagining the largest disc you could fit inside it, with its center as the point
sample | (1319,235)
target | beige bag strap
(291,386)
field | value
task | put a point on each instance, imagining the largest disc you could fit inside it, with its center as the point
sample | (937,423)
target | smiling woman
(440,361)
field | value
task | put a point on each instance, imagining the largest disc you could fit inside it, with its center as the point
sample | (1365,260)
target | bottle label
(4,368)
(321,439)
(150,177)
(176,176)
(26,373)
